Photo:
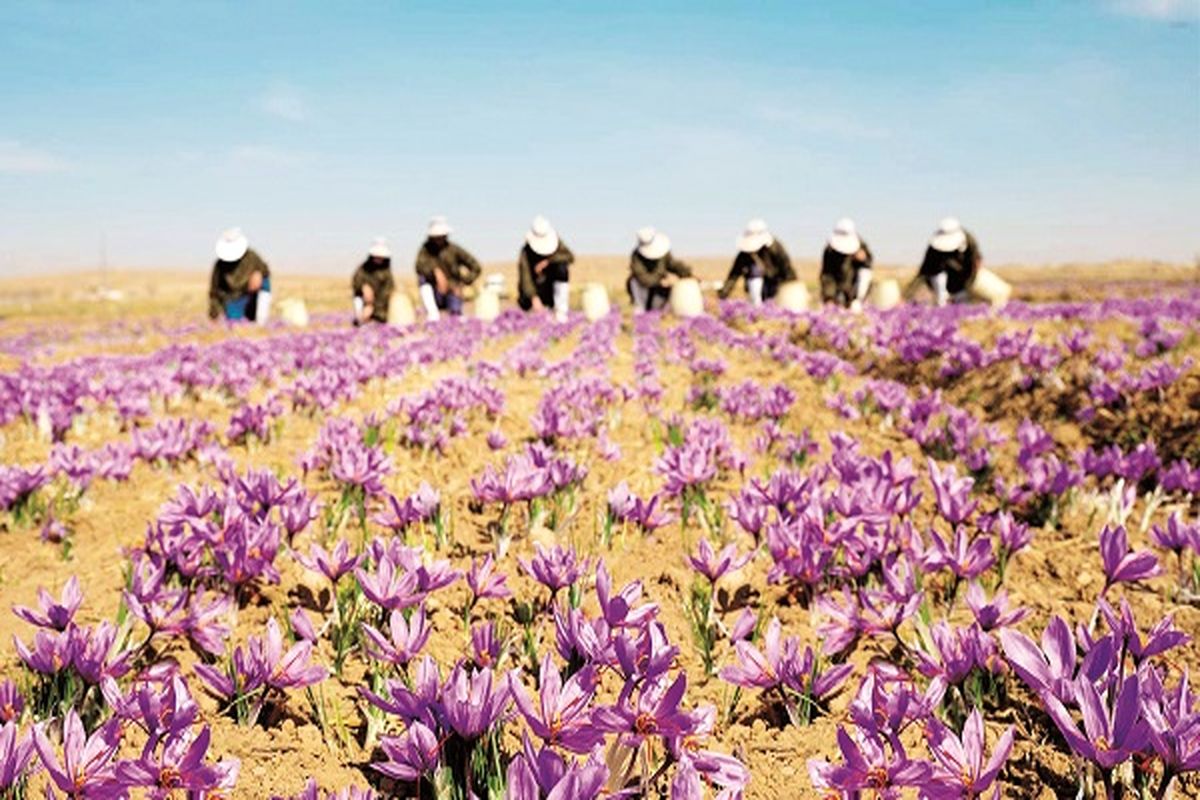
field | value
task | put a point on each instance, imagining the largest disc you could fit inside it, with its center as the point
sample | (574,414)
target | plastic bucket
(990,288)
(487,304)
(884,294)
(792,296)
(400,310)
(686,298)
(294,312)
(595,302)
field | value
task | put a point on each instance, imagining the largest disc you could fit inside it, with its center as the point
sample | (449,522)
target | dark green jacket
(651,274)
(960,266)
(230,280)
(774,261)
(459,266)
(379,278)
(837,273)
(528,279)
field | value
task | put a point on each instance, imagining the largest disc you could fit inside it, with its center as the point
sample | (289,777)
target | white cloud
(1173,10)
(267,156)
(19,159)
(285,102)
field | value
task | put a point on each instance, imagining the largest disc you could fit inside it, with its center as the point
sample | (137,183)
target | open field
(880,480)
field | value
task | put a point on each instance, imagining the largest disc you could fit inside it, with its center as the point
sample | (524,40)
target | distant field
(123,292)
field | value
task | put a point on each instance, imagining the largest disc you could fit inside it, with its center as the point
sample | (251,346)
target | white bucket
(400,310)
(293,312)
(595,302)
(487,304)
(686,298)
(990,288)
(884,294)
(792,296)
(495,281)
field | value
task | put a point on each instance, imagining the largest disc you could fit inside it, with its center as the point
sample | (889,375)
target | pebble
(1083,578)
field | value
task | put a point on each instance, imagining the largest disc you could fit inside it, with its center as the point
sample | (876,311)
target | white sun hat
(438,226)
(379,248)
(949,236)
(541,237)
(844,238)
(755,237)
(232,245)
(653,244)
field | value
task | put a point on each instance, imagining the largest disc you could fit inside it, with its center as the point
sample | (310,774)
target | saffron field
(916,553)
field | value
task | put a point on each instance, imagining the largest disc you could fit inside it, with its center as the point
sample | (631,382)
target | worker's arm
(216,303)
(735,271)
(469,269)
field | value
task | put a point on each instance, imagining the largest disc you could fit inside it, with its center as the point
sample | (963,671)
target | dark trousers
(543,285)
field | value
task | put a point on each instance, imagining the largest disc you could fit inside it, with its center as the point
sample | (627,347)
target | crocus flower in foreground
(407,638)
(561,715)
(15,755)
(86,768)
(55,614)
(1110,736)
(484,580)
(1122,565)
(959,765)
(713,565)
(411,755)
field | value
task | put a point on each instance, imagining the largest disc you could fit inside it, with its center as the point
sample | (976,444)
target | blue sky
(1055,130)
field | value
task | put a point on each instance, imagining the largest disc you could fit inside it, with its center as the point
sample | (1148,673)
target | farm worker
(652,270)
(846,267)
(241,282)
(444,270)
(543,270)
(373,284)
(761,261)
(951,263)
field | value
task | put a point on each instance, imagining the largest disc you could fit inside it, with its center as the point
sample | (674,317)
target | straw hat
(844,238)
(652,244)
(755,237)
(232,245)
(949,237)
(380,249)
(541,237)
(438,226)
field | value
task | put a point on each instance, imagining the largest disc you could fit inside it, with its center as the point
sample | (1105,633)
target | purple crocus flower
(389,586)
(713,565)
(866,766)
(536,774)
(655,712)
(86,769)
(12,703)
(994,613)
(407,638)
(959,769)
(555,568)
(1110,735)
(55,614)
(964,556)
(486,646)
(1173,722)
(1121,564)
(486,581)
(473,701)
(953,493)
(621,609)
(15,755)
(333,565)
(411,755)
(561,716)
(178,764)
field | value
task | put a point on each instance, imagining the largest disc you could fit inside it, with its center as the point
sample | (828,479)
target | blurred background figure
(652,270)
(761,261)
(543,270)
(951,264)
(846,267)
(241,282)
(444,271)
(373,284)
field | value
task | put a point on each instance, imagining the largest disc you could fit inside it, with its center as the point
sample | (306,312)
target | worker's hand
(255,282)
(861,255)
(439,280)
(368,295)
(368,311)
(537,303)
(669,281)
(540,266)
